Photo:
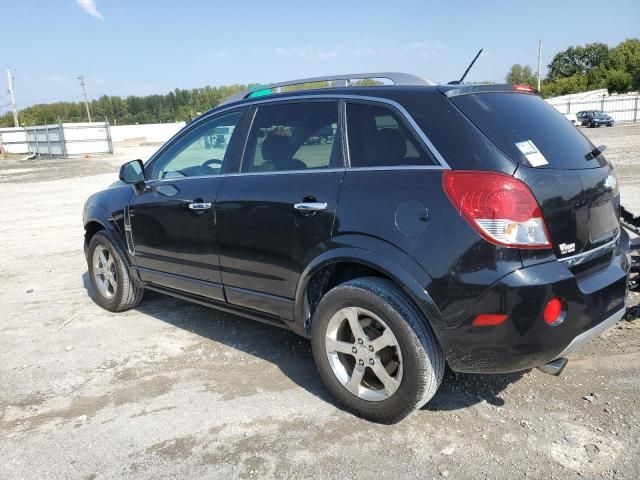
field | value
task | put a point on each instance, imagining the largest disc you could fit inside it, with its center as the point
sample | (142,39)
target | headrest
(389,147)
(276,147)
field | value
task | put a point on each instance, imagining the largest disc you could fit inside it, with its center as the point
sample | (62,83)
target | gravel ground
(177,390)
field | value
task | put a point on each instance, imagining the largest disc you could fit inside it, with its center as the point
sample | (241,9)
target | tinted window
(512,120)
(293,136)
(199,152)
(378,138)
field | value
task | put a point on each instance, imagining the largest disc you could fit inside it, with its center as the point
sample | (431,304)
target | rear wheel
(373,350)
(115,290)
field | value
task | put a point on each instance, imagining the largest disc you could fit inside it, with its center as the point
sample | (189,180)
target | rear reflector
(554,312)
(499,207)
(489,320)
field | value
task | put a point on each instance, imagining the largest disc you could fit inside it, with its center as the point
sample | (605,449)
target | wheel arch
(342,264)
(97,219)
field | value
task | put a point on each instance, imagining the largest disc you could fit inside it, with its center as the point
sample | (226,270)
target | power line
(84,92)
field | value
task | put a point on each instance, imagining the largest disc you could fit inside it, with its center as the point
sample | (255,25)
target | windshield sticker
(532,154)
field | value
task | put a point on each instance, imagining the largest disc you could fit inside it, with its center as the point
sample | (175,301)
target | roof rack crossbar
(340,80)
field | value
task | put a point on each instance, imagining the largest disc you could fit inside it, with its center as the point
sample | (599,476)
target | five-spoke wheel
(105,274)
(108,269)
(363,353)
(374,350)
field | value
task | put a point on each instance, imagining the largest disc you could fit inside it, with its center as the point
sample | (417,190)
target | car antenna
(458,82)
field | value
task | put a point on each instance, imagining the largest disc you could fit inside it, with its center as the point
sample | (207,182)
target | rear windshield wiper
(596,152)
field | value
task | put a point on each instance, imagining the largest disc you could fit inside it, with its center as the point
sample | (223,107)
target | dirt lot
(173,390)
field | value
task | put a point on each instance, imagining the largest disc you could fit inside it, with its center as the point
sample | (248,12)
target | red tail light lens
(499,207)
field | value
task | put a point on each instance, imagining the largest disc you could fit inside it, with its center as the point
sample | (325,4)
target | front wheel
(374,351)
(115,290)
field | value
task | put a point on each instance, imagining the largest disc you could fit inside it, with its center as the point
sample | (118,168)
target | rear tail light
(499,207)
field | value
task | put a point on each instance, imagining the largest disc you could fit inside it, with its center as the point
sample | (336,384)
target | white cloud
(89,6)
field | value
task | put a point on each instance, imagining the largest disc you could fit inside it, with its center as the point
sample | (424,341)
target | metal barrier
(58,140)
(47,140)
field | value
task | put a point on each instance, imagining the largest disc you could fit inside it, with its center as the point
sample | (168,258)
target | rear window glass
(527,129)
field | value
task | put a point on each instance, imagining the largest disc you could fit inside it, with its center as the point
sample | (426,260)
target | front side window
(293,136)
(378,138)
(198,153)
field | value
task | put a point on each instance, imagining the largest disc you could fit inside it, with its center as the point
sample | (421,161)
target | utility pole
(84,92)
(13,98)
(539,61)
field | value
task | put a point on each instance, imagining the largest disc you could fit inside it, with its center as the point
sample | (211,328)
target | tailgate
(577,192)
(580,207)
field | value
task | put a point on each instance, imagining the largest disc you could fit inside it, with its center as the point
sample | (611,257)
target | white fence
(72,139)
(623,108)
(58,140)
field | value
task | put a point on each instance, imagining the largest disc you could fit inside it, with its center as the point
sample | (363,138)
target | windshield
(528,130)
(598,113)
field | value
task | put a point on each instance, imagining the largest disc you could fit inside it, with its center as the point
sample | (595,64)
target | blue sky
(126,47)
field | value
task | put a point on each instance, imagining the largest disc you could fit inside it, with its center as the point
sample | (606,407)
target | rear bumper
(595,299)
(585,337)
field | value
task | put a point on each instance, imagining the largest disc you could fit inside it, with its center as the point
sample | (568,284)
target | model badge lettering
(567,248)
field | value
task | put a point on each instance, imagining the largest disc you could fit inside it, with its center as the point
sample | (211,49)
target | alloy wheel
(364,354)
(105,273)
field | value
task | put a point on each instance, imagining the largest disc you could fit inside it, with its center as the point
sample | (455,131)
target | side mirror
(132,172)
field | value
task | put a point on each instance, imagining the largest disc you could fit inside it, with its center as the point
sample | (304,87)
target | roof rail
(341,81)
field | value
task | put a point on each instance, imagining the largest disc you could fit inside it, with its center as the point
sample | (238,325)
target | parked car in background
(466,225)
(594,118)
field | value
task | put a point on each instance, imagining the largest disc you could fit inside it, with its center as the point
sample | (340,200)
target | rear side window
(293,136)
(378,138)
(522,124)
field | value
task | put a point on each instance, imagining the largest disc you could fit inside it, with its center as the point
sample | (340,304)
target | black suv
(466,224)
(594,118)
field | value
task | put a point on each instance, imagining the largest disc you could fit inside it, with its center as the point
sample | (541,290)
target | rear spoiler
(455,90)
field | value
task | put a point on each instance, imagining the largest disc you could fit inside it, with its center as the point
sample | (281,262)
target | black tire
(423,362)
(127,294)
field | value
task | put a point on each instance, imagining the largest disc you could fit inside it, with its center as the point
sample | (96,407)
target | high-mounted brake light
(519,87)
(499,207)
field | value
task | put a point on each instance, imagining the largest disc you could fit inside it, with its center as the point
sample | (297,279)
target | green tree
(578,60)
(626,56)
(521,74)
(564,86)
(619,81)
